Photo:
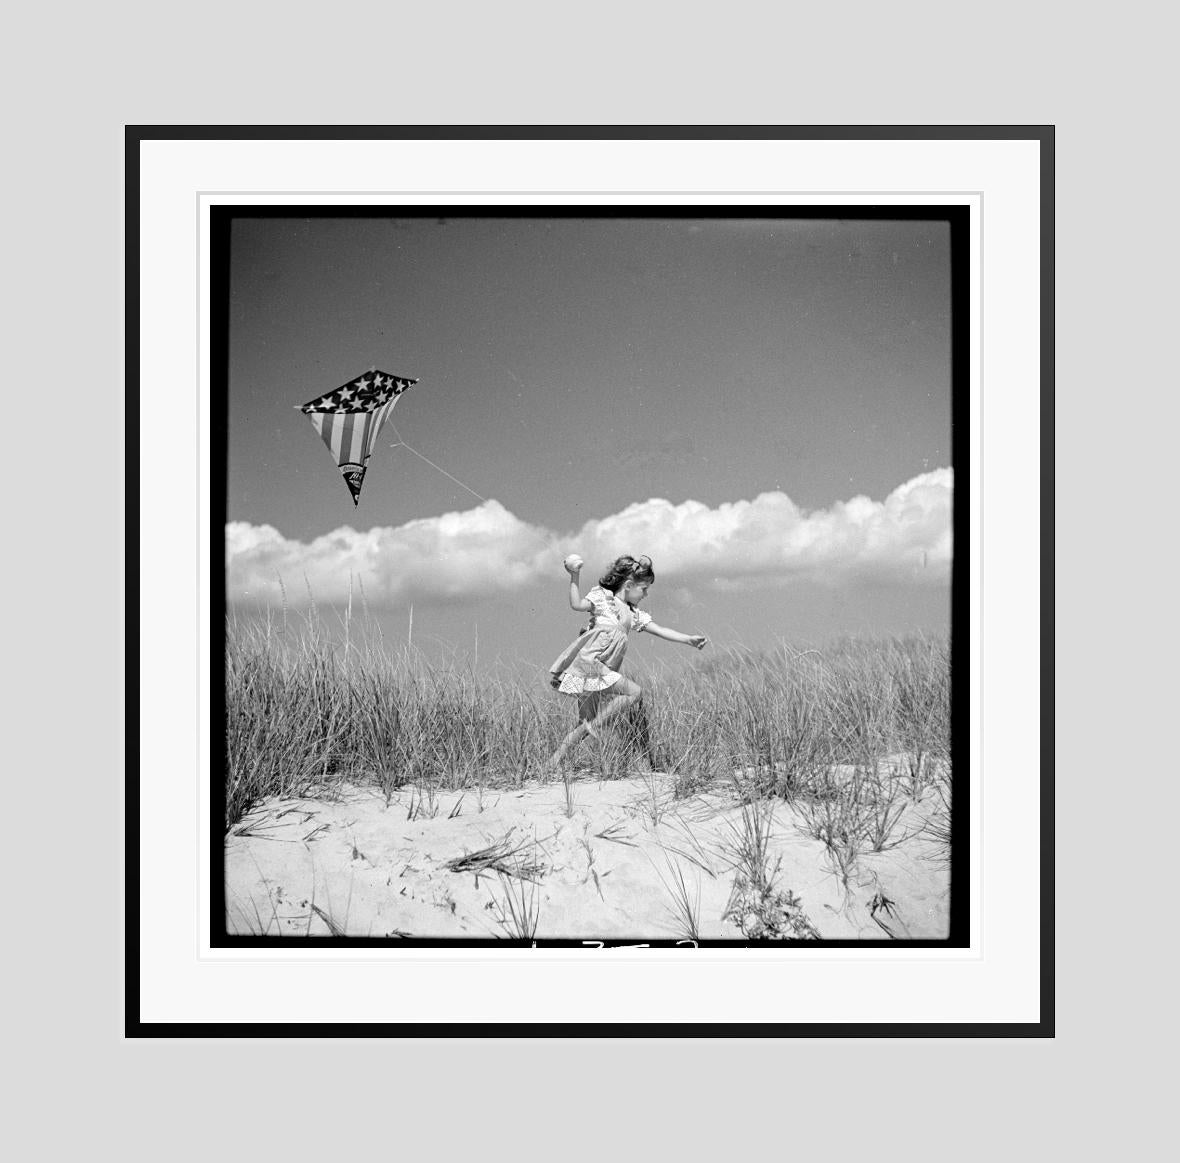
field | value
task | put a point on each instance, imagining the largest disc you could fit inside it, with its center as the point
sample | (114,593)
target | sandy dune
(358,866)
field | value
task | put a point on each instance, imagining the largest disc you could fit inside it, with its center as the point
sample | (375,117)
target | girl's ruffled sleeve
(640,619)
(596,596)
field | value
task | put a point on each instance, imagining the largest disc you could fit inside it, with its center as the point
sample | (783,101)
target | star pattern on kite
(363,394)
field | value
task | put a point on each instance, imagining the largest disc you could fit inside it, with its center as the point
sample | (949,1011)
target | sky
(761,405)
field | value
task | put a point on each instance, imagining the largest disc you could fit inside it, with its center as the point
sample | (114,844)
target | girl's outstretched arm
(698,641)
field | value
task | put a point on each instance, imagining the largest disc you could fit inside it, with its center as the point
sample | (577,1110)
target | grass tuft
(759,908)
(517,911)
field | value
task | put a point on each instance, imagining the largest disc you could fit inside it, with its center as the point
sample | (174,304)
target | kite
(349,419)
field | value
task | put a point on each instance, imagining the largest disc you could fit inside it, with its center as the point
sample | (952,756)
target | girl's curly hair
(625,569)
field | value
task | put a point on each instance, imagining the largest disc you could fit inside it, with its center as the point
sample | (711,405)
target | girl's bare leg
(588,707)
(622,695)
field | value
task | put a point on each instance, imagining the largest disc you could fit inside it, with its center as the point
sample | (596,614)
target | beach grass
(306,713)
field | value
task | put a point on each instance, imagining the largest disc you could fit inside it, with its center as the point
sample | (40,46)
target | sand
(358,865)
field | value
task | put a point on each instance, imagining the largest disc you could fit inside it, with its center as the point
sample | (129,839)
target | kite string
(402,444)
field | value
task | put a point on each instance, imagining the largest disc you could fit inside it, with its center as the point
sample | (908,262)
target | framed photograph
(602,580)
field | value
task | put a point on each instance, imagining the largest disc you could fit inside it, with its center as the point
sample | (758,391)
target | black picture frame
(1042,135)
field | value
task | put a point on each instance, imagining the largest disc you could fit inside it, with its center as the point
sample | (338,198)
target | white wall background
(76,77)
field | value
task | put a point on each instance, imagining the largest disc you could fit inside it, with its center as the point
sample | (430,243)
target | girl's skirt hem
(572,683)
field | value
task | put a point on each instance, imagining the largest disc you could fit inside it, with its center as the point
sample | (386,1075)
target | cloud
(769,539)
(737,545)
(456,555)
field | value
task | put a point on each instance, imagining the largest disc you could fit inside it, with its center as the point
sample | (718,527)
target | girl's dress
(592,661)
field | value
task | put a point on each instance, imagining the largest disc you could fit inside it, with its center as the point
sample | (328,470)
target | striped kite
(349,419)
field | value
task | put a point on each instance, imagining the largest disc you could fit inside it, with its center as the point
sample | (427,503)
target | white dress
(593,660)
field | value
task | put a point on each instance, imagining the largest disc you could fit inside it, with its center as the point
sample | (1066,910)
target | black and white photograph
(590,575)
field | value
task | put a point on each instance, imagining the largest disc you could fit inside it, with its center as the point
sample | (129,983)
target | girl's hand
(697,641)
(573,565)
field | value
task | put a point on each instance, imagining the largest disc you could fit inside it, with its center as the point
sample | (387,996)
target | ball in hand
(573,562)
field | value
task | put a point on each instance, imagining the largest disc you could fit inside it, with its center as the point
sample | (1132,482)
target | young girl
(589,668)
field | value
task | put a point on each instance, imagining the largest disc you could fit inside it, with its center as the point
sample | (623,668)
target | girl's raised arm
(573,566)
